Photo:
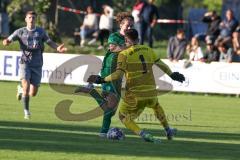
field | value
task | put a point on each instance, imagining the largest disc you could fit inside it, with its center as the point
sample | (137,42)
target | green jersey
(109,64)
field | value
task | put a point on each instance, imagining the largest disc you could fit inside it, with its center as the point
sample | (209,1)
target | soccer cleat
(102,135)
(149,138)
(19,92)
(170,133)
(27,114)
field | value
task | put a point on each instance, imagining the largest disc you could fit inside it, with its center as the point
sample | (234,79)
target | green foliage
(15,7)
(122,5)
(18,8)
(41,6)
(209,4)
(126,5)
(214,5)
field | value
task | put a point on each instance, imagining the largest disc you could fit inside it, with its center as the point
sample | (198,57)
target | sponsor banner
(74,70)
(216,77)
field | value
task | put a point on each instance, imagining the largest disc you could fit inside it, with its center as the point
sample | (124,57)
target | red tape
(169,21)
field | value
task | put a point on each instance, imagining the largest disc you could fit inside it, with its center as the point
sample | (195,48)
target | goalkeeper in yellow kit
(136,64)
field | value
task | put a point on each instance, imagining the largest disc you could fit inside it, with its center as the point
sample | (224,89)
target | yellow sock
(159,113)
(130,124)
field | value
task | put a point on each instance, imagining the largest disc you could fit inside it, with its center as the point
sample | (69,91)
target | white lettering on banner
(200,77)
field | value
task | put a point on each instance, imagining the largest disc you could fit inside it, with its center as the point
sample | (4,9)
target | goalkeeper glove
(96,79)
(176,76)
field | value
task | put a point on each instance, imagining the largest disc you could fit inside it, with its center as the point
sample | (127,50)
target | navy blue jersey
(31,44)
(148,12)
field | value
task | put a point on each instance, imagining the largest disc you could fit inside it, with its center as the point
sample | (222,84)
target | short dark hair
(180,31)
(223,45)
(132,34)
(31,13)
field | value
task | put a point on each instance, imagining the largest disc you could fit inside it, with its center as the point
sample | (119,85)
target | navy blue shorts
(31,74)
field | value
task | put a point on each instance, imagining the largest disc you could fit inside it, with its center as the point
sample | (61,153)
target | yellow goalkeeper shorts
(132,107)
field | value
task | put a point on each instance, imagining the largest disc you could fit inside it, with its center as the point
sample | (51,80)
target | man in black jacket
(213,21)
(148,19)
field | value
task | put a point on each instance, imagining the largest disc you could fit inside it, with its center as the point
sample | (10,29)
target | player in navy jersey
(31,40)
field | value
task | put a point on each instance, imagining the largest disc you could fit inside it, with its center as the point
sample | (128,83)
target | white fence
(74,69)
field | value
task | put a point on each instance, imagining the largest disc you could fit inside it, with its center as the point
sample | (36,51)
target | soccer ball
(115,134)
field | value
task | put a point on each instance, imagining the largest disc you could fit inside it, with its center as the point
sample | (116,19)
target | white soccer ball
(115,134)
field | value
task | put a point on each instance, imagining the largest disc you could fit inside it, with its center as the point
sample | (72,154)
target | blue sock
(167,129)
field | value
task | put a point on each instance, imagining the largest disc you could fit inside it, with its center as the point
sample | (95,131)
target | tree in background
(17,9)
(122,5)
(169,9)
(208,4)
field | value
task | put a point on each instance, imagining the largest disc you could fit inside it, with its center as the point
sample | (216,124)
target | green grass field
(209,128)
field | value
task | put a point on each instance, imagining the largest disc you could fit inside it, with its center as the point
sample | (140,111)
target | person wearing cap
(211,53)
(116,42)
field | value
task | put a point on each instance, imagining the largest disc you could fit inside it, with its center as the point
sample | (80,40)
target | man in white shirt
(90,25)
(105,24)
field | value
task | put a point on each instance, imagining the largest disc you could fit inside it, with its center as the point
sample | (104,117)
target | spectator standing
(89,26)
(177,46)
(149,16)
(137,8)
(105,25)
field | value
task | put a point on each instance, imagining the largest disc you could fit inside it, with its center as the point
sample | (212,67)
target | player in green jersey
(111,90)
(136,64)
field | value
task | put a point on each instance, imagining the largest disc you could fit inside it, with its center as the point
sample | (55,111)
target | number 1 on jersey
(144,65)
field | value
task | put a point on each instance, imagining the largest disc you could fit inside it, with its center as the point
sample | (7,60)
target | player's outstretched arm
(163,67)
(60,48)
(114,76)
(6,42)
(176,76)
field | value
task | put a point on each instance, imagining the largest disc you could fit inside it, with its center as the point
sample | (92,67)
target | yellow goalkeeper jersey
(137,64)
